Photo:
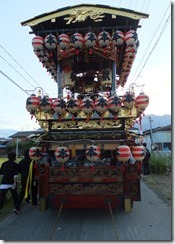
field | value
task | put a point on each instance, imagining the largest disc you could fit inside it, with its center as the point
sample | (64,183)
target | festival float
(83,156)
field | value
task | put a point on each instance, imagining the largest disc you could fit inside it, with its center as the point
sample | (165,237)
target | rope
(54,226)
(117,235)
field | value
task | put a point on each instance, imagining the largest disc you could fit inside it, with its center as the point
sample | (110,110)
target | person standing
(146,169)
(9,171)
(28,181)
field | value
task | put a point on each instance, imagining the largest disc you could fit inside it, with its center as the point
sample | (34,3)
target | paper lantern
(32,103)
(92,153)
(138,152)
(77,40)
(142,101)
(59,105)
(62,154)
(46,104)
(34,153)
(123,153)
(128,99)
(90,39)
(118,38)
(87,105)
(38,43)
(103,39)
(73,105)
(131,37)
(63,41)
(115,103)
(50,42)
(101,105)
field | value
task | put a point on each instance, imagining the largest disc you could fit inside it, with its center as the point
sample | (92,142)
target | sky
(151,70)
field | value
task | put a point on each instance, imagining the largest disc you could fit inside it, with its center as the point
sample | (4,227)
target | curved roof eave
(68,10)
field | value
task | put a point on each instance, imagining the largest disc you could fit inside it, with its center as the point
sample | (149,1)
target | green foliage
(159,162)
(21,146)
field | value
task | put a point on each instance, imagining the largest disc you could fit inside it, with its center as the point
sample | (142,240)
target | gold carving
(82,15)
(86,189)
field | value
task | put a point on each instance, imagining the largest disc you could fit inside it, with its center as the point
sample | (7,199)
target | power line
(13,82)
(163,29)
(144,55)
(16,71)
(21,67)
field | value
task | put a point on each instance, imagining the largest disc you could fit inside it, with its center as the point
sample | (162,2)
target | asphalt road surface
(150,220)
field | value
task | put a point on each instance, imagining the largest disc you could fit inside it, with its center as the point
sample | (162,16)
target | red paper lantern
(59,105)
(131,37)
(101,105)
(118,38)
(90,39)
(87,105)
(128,99)
(92,153)
(35,153)
(123,153)
(73,105)
(32,103)
(50,42)
(103,39)
(77,40)
(46,104)
(138,152)
(38,43)
(62,154)
(142,101)
(63,41)
(115,103)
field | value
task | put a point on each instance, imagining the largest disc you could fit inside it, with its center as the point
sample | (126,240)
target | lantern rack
(86,29)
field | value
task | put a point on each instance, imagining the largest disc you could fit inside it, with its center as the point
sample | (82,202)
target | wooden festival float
(83,155)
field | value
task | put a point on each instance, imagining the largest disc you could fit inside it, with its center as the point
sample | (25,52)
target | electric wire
(163,29)
(13,82)
(16,71)
(19,65)
(144,55)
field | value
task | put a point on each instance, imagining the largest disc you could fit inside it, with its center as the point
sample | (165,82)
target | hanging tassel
(92,167)
(62,167)
(115,116)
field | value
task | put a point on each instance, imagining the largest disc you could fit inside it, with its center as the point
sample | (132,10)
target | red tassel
(68,96)
(62,168)
(73,117)
(92,168)
(90,51)
(115,116)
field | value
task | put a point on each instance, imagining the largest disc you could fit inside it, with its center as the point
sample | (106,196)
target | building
(158,139)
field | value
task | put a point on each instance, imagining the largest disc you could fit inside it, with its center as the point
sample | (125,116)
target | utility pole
(151,131)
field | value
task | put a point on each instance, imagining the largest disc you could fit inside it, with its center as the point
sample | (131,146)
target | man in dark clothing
(26,184)
(146,169)
(9,171)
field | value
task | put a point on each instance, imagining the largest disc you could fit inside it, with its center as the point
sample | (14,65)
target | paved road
(149,220)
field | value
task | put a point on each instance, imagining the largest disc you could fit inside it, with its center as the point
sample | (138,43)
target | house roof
(164,128)
(22,134)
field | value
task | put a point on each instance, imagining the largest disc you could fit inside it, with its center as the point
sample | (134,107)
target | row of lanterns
(87,105)
(90,40)
(43,47)
(122,153)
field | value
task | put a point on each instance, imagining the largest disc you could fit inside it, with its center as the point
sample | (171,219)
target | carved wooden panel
(86,189)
